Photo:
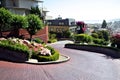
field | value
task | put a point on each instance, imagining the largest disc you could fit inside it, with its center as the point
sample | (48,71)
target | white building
(22,7)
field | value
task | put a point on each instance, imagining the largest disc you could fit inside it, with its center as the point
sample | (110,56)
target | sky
(84,10)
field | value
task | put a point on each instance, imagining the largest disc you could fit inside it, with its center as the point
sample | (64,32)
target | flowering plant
(38,48)
(81,26)
(115,38)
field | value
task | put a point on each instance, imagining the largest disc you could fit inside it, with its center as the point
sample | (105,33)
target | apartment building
(22,7)
(60,25)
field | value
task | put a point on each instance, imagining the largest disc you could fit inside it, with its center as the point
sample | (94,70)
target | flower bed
(30,49)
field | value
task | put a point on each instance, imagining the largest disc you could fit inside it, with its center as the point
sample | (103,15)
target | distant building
(22,7)
(60,25)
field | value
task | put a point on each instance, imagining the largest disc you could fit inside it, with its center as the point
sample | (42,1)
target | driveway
(83,65)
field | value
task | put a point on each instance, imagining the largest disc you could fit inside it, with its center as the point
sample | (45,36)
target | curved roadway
(83,65)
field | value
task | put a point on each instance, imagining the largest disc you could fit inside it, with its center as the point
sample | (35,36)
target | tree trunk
(0,30)
(30,37)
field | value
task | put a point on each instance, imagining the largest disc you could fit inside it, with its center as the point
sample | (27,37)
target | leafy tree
(104,24)
(81,27)
(103,35)
(5,19)
(19,21)
(34,24)
(36,11)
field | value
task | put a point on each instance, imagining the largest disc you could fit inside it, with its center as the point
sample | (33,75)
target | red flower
(80,23)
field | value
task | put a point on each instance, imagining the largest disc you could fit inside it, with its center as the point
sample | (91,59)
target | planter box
(14,56)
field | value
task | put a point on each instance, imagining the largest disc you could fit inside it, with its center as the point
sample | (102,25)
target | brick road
(83,65)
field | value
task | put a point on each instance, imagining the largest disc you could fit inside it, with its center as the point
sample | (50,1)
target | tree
(103,35)
(104,24)
(18,21)
(5,19)
(34,24)
(36,11)
(81,27)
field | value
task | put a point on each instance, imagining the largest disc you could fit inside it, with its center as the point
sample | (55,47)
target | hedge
(53,57)
(15,47)
(107,50)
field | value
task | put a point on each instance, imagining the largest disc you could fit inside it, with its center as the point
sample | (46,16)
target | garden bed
(14,49)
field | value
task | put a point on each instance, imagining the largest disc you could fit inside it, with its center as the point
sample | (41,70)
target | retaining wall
(104,50)
(9,55)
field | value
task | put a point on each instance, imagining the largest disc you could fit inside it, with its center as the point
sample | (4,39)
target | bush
(83,38)
(15,47)
(52,40)
(97,41)
(100,42)
(103,35)
(94,35)
(38,40)
(53,57)
(115,39)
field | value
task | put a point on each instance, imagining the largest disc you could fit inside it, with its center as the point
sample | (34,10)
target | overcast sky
(83,10)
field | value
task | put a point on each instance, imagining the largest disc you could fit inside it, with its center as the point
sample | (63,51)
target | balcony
(11,3)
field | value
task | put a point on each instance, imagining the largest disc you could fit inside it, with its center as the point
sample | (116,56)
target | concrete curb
(62,58)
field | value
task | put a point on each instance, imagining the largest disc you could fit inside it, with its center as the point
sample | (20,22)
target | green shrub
(15,47)
(94,35)
(52,40)
(98,41)
(38,40)
(53,57)
(83,38)
(103,35)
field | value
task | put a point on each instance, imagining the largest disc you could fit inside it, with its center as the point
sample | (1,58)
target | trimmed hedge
(52,40)
(18,49)
(38,40)
(110,51)
(6,44)
(55,55)
(83,38)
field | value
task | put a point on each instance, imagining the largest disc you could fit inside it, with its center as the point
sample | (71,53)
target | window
(49,23)
(61,23)
(51,29)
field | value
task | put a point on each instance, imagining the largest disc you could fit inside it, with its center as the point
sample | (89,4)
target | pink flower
(45,51)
